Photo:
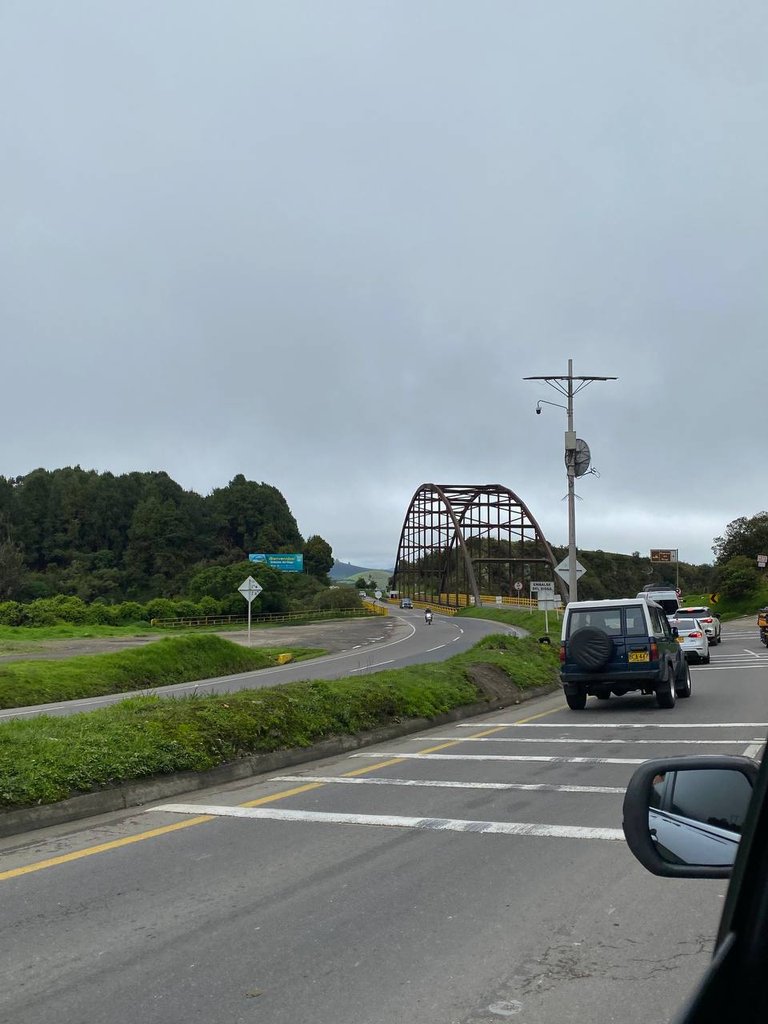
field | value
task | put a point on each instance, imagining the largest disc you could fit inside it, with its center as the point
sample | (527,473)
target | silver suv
(707,618)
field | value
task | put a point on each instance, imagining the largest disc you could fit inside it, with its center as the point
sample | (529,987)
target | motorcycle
(428,618)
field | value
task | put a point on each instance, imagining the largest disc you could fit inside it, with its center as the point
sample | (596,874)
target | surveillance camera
(538,410)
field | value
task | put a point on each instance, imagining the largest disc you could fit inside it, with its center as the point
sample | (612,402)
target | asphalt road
(358,645)
(467,875)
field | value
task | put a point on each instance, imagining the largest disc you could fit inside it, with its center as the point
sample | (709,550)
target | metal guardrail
(370,611)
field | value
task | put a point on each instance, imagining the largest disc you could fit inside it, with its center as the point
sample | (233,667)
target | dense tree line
(136,536)
(498,564)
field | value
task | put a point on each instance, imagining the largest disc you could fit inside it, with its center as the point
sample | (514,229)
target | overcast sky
(321,243)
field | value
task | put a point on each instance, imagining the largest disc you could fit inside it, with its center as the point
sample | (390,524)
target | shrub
(12,613)
(160,608)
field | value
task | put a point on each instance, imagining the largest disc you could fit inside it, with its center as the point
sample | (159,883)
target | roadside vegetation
(48,758)
(168,661)
(529,619)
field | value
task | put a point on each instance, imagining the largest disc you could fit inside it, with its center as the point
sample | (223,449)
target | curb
(136,794)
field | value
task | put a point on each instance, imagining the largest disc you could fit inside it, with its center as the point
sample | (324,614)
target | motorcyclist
(428,616)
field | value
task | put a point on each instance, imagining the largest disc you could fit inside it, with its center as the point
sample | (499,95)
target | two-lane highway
(468,874)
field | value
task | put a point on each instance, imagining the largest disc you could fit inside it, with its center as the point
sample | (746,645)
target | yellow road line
(116,844)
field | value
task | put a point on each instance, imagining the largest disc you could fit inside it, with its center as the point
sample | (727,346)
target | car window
(711,797)
(635,619)
(685,624)
(608,619)
(656,624)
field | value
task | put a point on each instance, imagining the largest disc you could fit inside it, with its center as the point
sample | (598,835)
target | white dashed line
(614,725)
(506,757)
(547,739)
(541,787)
(509,828)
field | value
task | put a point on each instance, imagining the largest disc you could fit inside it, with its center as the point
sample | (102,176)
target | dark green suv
(620,646)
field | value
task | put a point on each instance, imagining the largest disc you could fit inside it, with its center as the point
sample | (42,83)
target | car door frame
(735,985)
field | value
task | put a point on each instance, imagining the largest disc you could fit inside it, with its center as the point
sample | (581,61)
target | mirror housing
(639,802)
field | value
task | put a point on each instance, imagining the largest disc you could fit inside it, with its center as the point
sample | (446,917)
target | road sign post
(250,588)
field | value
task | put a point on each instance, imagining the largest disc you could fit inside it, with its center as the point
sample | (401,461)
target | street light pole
(570,463)
(566,386)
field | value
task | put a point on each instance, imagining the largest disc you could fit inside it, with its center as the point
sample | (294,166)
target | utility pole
(569,386)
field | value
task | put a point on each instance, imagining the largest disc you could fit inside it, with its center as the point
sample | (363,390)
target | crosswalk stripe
(592,740)
(510,828)
(538,758)
(537,787)
(616,725)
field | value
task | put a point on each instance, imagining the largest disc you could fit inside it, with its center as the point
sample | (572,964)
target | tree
(11,570)
(360,583)
(743,536)
(739,577)
(318,557)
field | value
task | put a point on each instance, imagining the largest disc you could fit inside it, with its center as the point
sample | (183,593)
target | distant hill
(345,572)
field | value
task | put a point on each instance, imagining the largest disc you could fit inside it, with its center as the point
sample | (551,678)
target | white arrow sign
(250,588)
(562,570)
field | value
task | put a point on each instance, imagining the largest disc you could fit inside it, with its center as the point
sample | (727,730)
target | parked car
(619,646)
(406,602)
(725,798)
(709,620)
(692,638)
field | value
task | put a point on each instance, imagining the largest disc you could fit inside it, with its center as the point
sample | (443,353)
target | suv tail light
(654,651)
(562,652)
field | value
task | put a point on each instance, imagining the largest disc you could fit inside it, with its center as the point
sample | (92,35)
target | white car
(706,617)
(692,637)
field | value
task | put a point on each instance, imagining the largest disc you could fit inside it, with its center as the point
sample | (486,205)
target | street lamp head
(538,409)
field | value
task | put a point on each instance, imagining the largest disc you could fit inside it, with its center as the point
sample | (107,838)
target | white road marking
(614,725)
(367,668)
(506,757)
(729,668)
(541,787)
(753,750)
(510,828)
(547,739)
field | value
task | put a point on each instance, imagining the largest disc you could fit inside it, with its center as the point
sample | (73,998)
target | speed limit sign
(518,585)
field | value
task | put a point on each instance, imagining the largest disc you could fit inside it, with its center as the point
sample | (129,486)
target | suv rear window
(610,620)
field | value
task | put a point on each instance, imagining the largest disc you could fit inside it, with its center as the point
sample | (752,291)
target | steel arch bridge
(462,541)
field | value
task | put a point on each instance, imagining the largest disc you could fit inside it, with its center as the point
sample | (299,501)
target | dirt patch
(497,686)
(334,637)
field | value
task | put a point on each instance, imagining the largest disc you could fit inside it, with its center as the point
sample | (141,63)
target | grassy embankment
(731,607)
(168,661)
(50,758)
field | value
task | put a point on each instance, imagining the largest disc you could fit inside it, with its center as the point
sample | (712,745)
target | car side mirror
(683,816)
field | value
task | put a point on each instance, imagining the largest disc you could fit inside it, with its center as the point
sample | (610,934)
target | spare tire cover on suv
(590,648)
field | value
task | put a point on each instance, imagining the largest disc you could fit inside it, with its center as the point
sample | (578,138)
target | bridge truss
(463,542)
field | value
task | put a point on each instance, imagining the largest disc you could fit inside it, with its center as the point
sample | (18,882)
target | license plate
(680,639)
(639,656)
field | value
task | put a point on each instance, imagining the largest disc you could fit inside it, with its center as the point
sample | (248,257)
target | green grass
(168,661)
(533,621)
(22,638)
(46,759)
(729,607)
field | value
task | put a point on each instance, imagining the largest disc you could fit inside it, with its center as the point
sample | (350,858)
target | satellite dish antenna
(581,458)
